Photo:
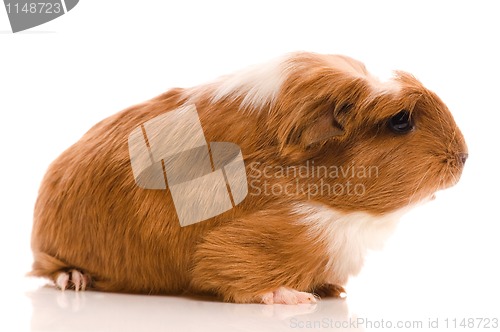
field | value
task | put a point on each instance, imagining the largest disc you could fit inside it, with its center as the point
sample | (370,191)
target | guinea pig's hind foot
(72,279)
(285,295)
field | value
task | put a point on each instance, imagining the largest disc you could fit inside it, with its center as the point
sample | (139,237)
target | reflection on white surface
(54,310)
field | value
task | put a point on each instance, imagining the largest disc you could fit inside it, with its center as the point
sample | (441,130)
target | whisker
(418,186)
(451,140)
(450,171)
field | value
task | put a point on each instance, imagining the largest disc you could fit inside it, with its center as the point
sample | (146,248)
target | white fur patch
(348,235)
(258,85)
(358,69)
(389,86)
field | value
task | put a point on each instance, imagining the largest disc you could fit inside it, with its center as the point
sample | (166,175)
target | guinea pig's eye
(401,123)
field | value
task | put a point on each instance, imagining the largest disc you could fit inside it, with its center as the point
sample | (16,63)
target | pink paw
(72,279)
(285,295)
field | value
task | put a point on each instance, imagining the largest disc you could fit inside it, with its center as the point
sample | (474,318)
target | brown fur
(91,216)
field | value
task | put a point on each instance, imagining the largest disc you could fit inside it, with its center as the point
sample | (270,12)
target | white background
(60,78)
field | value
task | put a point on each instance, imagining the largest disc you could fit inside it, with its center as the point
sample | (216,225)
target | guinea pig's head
(369,145)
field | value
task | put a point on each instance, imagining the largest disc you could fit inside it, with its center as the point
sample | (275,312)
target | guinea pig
(332,156)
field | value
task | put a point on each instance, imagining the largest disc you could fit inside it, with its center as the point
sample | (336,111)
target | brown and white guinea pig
(333,158)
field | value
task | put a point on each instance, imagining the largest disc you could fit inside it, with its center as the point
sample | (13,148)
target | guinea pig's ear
(338,114)
(328,124)
(321,100)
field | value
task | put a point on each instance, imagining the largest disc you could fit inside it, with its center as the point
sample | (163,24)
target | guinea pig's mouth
(448,179)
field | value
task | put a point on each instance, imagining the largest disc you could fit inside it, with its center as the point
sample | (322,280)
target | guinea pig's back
(91,216)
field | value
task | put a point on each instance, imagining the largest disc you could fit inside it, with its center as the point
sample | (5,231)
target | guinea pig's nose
(462,157)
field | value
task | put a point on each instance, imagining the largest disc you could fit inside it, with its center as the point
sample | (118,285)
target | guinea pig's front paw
(285,295)
(330,290)
(72,279)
